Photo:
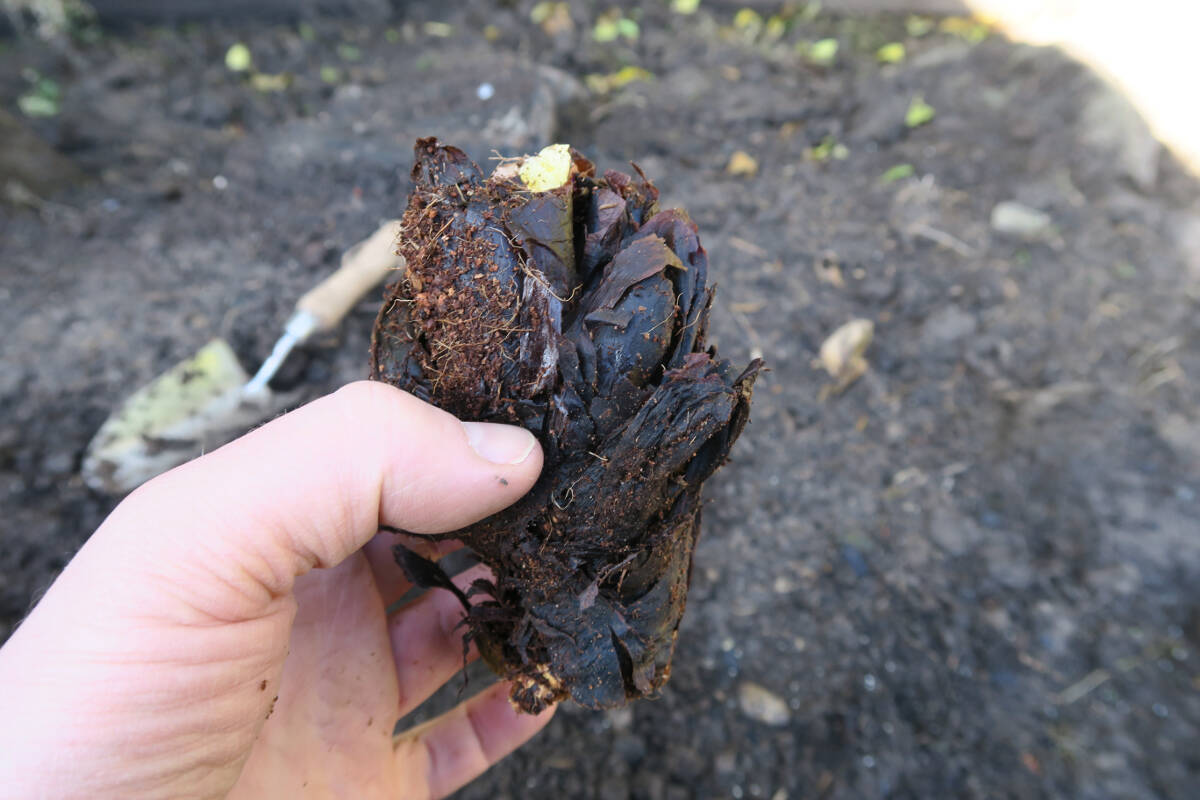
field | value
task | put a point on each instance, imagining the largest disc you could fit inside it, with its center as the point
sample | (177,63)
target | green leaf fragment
(685,6)
(238,58)
(919,113)
(37,105)
(627,75)
(613,26)
(331,74)
(615,80)
(627,28)
(827,149)
(917,26)
(891,53)
(823,52)
(747,19)
(264,82)
(966,28)
(605,30)
(349,52)
(897,173)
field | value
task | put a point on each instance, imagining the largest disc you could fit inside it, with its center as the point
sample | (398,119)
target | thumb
(307,490)
(156,635)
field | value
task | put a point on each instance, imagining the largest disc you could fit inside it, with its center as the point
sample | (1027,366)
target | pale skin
(151,666)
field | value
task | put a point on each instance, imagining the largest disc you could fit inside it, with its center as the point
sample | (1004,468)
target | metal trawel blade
(194,407)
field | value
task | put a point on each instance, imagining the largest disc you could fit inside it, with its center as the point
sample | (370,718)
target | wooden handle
(363,266)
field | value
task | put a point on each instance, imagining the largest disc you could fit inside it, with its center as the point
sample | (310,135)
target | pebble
(1016,219)
(762,705)
(947,326)
(1114,127)
(621,718)
(784,585)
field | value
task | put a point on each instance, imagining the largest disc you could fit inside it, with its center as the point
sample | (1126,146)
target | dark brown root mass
(579,313)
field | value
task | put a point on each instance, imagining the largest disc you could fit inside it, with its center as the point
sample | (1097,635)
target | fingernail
(500,444)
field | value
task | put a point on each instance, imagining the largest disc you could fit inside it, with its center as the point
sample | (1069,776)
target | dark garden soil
(974,573)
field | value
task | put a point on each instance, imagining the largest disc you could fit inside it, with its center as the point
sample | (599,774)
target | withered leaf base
(548,297)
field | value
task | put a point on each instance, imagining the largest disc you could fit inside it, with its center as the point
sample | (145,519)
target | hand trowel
(209,399)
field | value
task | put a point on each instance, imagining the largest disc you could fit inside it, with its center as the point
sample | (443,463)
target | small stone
(1016,219)
(1118,134)
(784,585)
(621,718)
(762,705)
(947,325)
(953,532)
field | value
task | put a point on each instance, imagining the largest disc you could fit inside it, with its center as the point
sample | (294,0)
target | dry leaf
(742,164)
(842,354)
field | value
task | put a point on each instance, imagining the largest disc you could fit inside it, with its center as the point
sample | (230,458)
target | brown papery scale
(578,312)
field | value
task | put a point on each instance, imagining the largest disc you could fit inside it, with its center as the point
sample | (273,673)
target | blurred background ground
(972,574)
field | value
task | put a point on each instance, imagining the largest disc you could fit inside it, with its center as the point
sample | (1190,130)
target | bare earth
(972,574)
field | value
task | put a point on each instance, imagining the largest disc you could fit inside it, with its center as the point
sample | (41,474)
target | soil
(973,573)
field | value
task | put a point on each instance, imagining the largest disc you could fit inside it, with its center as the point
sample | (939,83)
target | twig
(944,239)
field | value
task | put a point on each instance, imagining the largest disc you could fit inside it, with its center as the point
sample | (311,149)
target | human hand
(150,667)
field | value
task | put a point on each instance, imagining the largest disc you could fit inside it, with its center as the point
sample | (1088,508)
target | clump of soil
(577,310)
